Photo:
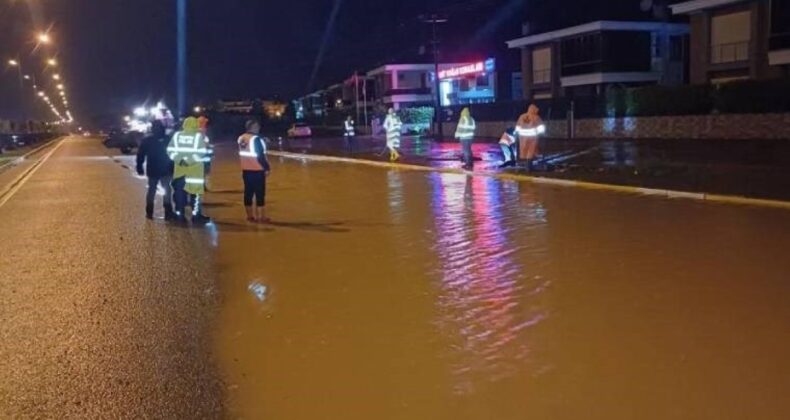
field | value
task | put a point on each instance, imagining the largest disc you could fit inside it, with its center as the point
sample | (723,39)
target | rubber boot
(197,212)
(149,211)
(170,215)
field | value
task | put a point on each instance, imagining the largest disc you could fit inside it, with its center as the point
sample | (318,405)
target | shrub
(668,100)
(752,96)
(419,115)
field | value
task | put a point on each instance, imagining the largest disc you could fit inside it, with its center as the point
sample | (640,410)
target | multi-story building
(403,85)
(737,39)
(410,85)
(583,60)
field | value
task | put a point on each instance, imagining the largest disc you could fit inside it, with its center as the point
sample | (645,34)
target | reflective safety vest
(189,153)
(248,155)
(466,129)
(532,130)
(349,126)
(393,125)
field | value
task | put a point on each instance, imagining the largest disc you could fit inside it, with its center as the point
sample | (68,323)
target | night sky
(116,54)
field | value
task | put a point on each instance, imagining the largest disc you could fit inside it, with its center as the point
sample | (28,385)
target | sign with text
(467,69)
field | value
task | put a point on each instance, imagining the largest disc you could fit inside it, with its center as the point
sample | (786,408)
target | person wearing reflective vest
(529,127)
(255,168)
(393,126)
(349,134)
(465,133)
(203,122)
(507,143)
(188,150)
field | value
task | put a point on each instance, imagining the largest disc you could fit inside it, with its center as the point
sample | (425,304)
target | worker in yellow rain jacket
(393,126)
(465,133)
(189,151)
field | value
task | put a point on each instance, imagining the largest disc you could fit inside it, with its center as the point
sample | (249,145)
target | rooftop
(601,25)
(700,5)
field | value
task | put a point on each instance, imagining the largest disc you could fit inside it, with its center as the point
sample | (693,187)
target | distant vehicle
(125,141)
(300,130)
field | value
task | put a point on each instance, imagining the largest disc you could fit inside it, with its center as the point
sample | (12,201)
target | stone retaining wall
(722,127)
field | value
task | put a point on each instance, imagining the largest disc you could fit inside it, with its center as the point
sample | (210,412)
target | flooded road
(387,294)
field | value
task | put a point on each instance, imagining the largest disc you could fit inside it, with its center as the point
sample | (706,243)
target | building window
(780,24)
(541,65)
(581,55)
(730,35)
(482,81)
(676,47)
(464,85)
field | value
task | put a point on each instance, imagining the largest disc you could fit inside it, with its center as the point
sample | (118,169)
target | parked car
(125,141)
(300,130)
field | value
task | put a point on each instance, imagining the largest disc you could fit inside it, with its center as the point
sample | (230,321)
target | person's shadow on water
(327,227)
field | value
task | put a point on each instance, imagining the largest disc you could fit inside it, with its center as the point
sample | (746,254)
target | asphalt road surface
(102,315)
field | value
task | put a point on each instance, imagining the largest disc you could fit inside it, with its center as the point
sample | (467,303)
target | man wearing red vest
(255,168)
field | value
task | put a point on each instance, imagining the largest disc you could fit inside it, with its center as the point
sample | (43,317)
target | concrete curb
(31,153)
(663,193)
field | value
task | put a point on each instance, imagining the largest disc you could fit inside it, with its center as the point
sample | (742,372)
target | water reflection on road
(481,302)
(393,294)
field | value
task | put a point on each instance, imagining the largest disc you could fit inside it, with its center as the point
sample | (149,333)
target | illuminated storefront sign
(467,69)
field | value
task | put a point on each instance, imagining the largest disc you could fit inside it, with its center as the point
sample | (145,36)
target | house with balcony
(584,60)
(737,39)
(403,85)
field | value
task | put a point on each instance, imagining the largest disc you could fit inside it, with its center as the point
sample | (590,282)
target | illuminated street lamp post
(181,71)
(15,63)
(435,20)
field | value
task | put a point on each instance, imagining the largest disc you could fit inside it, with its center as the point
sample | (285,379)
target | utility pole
(365,101)
(435,20)
(356,93)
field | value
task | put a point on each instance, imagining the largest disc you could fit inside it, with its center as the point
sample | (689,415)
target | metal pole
(437,83)
(365,101)
(356,94)
(182,57)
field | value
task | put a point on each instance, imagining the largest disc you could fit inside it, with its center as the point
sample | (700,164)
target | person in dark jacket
(158,168)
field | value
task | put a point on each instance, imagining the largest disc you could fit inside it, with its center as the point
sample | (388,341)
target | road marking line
(18,183)
(19,159)
(654,192)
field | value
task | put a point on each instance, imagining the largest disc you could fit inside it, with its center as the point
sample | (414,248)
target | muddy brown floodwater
(387,294)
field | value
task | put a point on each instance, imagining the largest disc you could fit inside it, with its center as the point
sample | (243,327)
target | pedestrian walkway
(756,169)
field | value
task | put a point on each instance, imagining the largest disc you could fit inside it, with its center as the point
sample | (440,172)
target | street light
(44,38)
(435,20)
(56,76)
(13,63)
(52,62)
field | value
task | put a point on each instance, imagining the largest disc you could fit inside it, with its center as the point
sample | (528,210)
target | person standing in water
(529,127)
(255,169)
(349,133)
(393,126)
(465,133)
